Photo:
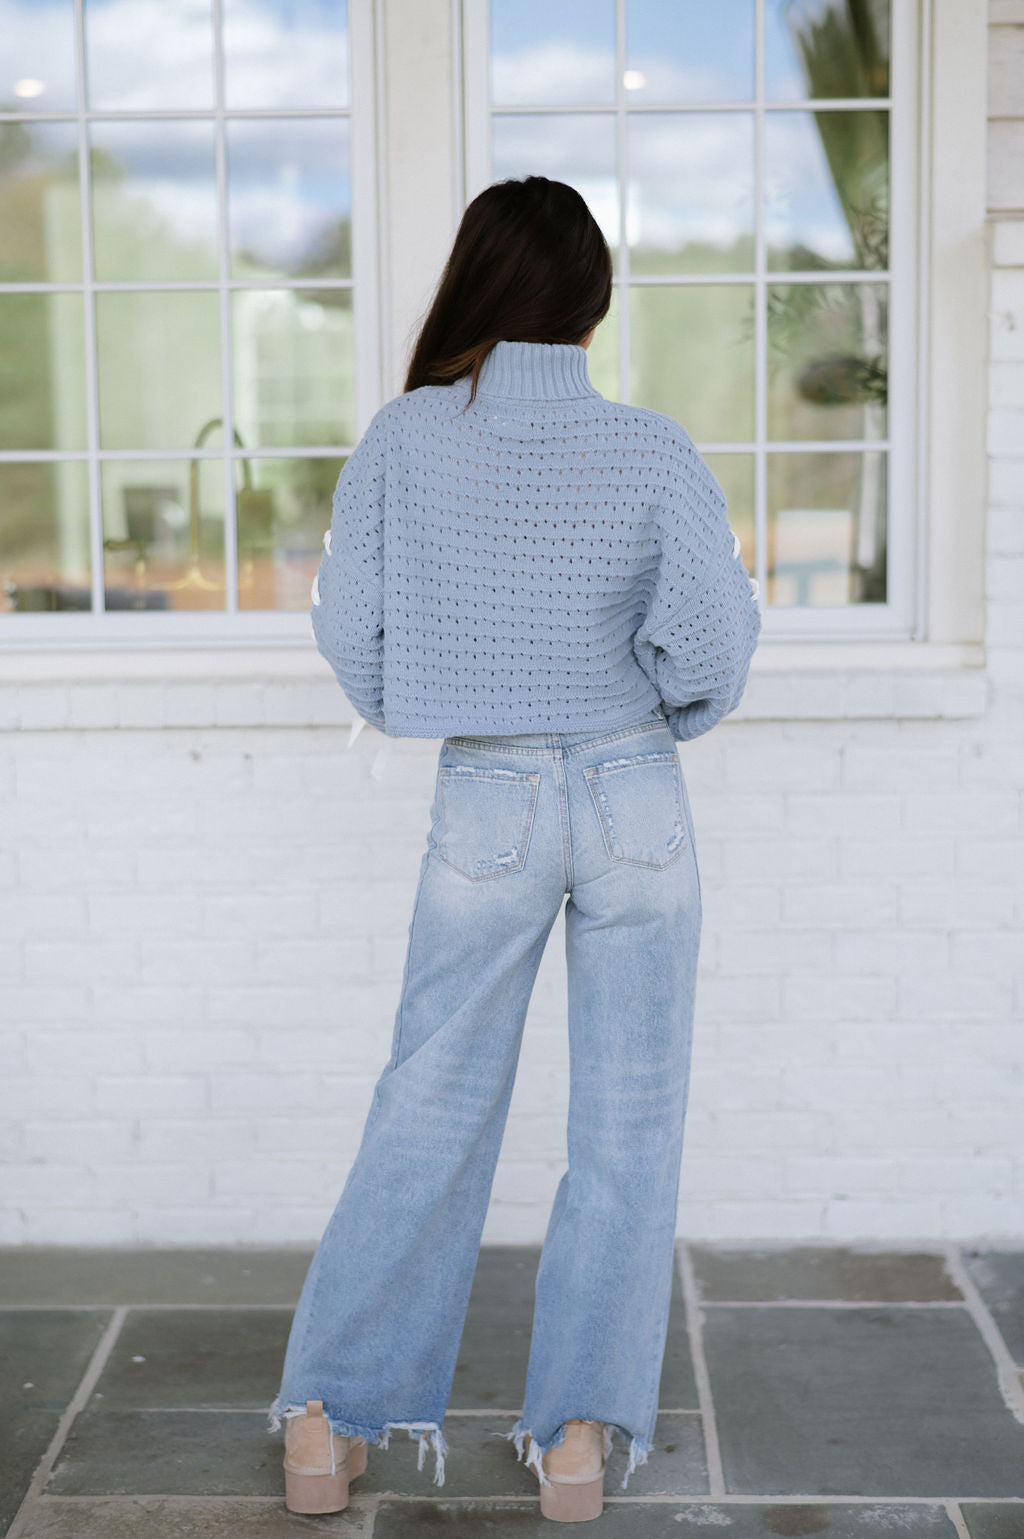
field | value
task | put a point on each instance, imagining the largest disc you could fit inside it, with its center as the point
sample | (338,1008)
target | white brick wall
(204,902)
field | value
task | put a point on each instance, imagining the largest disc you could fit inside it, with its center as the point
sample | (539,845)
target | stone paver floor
(849,1391)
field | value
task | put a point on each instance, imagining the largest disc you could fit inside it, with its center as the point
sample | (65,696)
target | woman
(547,581)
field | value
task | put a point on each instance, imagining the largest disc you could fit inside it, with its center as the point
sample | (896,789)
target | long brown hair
(529,264)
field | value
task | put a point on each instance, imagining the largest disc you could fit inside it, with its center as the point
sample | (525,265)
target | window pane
(827,189)
(294,380)
(44,536)
(690,214)
(289,198)
(691,192)
(704,376)
(278,54)
(689,51)
(827,360)
(552,52)
(823,50)
(42,372)
(163,534)
(40,215)
(159,367)
(735,475)
(145,54)
(826,528)
(573,147)
(154,200)
(284,507)
(38,55)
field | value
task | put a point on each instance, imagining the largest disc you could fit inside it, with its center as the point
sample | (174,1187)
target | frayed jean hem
(428,1432)
(639,1447)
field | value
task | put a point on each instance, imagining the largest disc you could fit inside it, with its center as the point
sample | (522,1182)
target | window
(855,471)
(187,329)
(752,165)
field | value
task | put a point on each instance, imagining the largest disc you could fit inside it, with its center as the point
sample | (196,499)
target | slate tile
(481,1462)
(43,1355)
(169,1453)
(508,1520)
(198,1358)
(495,1347)
(676,1465)
(77,1275)
(999,1277)
(994,1520)
(491,1367)
(24,1438)
(666,1520)
(859,1402)
(870,1520)
(772,1273)
(168,1517)
(677,1390)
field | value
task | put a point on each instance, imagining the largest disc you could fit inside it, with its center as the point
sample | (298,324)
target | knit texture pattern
(541,560)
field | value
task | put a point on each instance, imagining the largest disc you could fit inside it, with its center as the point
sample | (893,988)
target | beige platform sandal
(576,1471)
(319,1464)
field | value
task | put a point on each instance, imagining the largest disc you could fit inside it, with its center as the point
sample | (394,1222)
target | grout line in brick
(1007,1374)
(691,1298)
(95,1367)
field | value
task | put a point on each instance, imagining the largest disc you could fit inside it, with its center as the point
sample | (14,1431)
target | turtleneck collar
(544,371)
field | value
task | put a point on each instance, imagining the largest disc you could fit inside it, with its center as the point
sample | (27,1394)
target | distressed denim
(517,824)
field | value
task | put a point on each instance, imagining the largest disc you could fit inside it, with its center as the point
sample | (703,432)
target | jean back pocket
(486,819)
(639,803)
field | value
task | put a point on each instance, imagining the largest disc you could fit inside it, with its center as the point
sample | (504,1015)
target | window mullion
(622,145)
(760,321)
(909,287)
(420,207)
(476,52)
(920,598)
(96,565)
(226,318)
(368,181)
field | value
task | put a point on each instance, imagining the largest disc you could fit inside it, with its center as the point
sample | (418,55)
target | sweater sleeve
(348,589)
(703,620)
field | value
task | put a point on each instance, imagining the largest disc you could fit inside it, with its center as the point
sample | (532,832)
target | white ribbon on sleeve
(383,753)
(755,587)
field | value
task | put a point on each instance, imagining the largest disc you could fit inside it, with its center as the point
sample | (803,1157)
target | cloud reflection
(142,54)
(278,54)
(38,43)
(289,195)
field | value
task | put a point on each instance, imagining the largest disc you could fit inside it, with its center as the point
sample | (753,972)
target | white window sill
(850,680)
(290,685)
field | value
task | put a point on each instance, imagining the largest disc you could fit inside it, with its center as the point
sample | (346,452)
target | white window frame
(421,143)
(903,617)
(101,629)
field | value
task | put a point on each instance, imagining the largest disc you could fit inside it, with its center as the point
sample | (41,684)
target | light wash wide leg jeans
(516,824)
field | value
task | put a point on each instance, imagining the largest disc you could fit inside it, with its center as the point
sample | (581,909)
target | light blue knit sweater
(545,560)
